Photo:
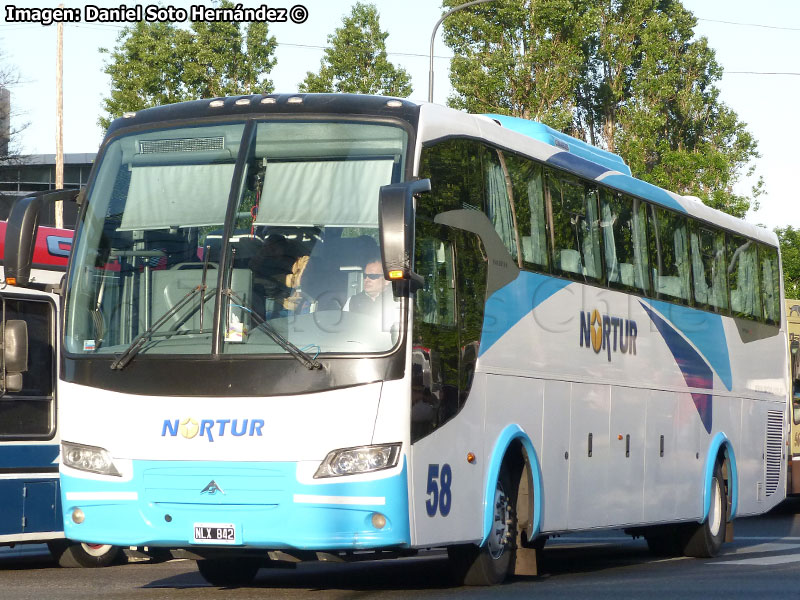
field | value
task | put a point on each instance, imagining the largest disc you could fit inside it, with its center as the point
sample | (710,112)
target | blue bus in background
(30,498)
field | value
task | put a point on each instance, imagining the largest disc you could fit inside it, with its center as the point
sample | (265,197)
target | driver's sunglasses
(373,275)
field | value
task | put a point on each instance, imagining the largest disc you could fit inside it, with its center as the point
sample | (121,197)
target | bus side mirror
(396,225)
(23,222)
(21,228)
(15,354)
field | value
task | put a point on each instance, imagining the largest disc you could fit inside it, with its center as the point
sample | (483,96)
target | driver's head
(374,282)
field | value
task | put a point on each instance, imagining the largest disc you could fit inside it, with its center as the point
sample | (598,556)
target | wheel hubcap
(715,510)
(498,536)
(96,549)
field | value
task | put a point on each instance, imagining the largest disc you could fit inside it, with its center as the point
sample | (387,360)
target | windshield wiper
(140,340)
(308,361)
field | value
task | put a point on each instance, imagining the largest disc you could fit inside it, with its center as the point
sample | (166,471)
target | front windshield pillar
(225,260)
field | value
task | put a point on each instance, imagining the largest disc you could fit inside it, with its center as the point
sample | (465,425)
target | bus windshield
(299,203)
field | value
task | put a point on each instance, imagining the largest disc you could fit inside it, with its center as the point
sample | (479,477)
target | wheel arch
(720,450)
(515,444)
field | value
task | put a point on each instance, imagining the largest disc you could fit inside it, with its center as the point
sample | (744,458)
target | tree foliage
(356,61)
(625,75)
(160,63)
(789,239)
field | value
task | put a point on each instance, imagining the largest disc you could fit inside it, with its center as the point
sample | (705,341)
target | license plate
(214,533)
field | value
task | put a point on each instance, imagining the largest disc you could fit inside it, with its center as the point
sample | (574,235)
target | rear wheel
(229,572)
(491,563)
(705,540)
(76,554)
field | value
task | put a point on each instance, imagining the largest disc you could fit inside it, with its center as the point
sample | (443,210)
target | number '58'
(439,495)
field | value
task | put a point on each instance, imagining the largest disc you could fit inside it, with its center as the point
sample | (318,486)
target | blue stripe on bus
(643,190)
(705,331)
(576,164)
(28,455)
(508,305)
(696,372)
(721,441)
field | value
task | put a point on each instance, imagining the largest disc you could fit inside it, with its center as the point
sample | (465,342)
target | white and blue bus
(319,326)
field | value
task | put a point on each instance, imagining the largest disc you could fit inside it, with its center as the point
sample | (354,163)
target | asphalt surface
(764,559)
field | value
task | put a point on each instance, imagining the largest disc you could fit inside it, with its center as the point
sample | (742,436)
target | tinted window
(526,182)
(743,277)
(29,412)
(575,232)
(623,223)
(669,256)
(454,168)
(498,207)
(770,283)
(708,268)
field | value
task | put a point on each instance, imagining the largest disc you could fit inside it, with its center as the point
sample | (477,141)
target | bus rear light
(363,459)
(88,458)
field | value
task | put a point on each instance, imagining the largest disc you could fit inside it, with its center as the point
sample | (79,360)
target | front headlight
(364,459)
(88,458)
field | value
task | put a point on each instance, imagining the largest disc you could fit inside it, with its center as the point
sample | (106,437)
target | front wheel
(229,572)
(705,540)
(77,554)
(492,562)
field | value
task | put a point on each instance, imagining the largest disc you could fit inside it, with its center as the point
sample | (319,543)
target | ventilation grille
(182,145)
(774,450)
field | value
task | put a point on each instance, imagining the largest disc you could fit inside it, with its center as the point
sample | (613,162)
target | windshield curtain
(303,252)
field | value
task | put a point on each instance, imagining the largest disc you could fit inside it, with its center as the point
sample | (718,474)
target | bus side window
(708,268)
(770,283)
(454,167)
(29,413)
(669,255)
(575,231)
(435,352)
(743,277)
(527,184)
(435,301)
(498,205)
(622,220)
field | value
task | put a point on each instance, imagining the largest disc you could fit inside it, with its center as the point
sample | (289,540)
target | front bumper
(265,502)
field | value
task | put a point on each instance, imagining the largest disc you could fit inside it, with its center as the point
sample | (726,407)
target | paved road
(764,559)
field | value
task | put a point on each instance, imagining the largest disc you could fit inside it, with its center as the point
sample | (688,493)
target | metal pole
(59,206)
(433,36)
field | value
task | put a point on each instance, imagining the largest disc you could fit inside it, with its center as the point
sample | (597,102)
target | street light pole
(433,36)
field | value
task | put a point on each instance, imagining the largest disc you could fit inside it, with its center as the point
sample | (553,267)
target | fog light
(378,521)
(78,517)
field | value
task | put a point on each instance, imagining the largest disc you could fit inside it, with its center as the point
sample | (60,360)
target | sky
(756,43)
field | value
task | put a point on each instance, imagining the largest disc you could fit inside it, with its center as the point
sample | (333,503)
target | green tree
(518,57)
(625,75)
(356,60)
(160,63)
(789,239)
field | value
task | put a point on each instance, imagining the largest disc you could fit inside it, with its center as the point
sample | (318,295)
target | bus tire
(229,572)
(492,562)
(705,540)
(73,555)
